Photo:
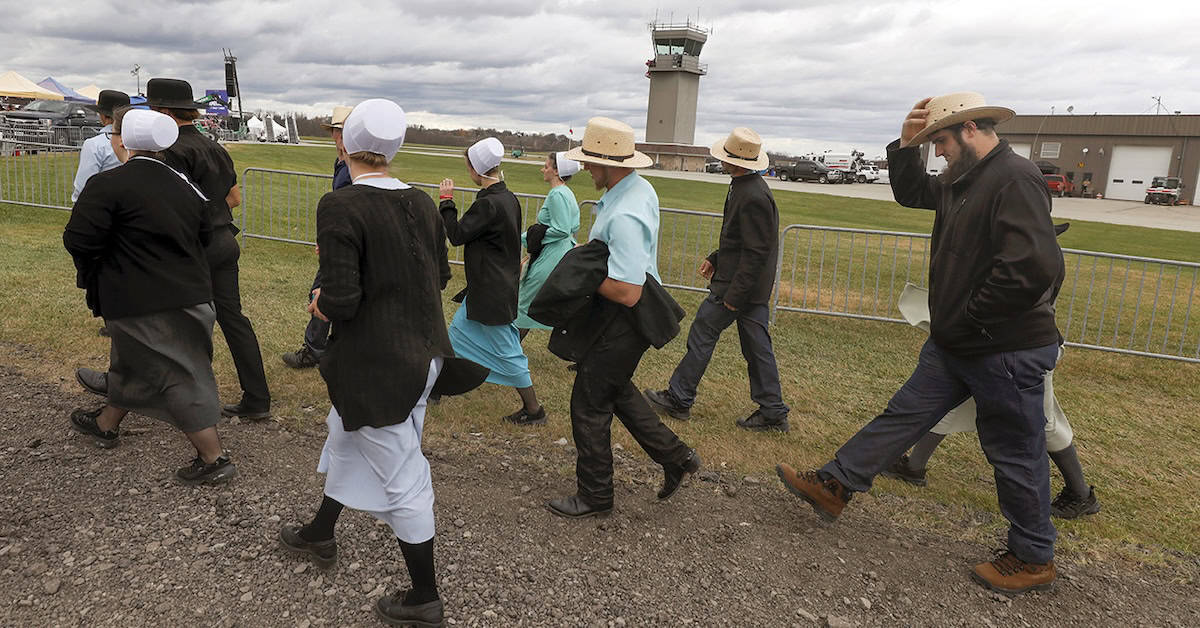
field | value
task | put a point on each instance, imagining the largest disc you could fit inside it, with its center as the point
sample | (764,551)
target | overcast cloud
(806,75)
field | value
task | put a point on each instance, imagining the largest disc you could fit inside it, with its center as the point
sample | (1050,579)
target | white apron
(381,470)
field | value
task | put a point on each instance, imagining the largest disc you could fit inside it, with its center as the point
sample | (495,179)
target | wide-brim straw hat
(338,119)
(952,109)
(609,142)
(742,148)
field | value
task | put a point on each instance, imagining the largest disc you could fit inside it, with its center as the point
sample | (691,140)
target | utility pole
(137,75)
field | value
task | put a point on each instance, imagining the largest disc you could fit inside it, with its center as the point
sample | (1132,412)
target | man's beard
(965,161)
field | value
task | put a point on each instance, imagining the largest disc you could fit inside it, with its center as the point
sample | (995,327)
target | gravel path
(104,537)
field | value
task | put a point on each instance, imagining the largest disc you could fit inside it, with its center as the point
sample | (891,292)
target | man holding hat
(96,155)
(742,275)
(209,166)
(316,335)
(627,222)
(995,269)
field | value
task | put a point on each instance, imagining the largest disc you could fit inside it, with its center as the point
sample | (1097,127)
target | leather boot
(1011,575)
(827,497)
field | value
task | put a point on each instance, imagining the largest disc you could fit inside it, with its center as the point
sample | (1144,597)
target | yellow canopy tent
(91,91)
(14,85)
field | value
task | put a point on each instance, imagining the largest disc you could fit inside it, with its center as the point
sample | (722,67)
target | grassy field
(1137,420)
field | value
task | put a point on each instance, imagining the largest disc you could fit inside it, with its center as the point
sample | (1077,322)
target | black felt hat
(170,94)
(109,100)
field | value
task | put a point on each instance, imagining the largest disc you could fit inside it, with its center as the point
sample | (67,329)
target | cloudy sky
(807,75)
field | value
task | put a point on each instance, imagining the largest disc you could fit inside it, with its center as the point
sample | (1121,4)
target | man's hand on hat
(446,187)
(915,122)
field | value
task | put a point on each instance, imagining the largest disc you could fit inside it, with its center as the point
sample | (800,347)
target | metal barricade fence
(39,174)
(1135,305)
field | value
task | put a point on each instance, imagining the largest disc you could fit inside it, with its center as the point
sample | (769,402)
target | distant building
(674,74)
(1118,154)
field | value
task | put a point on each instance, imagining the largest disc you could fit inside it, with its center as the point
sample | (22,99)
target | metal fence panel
(1122,303)
(37,173)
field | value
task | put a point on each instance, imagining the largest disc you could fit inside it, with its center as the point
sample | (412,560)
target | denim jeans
(316,335)
(713,318)
(1008,389)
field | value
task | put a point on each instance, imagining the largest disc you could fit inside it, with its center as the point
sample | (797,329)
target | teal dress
(560,213)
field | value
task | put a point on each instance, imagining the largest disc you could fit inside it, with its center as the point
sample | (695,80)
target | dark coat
(383,268)
(137,235)
(749,247)
(995,267)
(491,234)
(568,302)
(209,166)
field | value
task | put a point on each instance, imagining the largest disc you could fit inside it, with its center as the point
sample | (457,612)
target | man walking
(742,275)
(96,154)
(316,335)
(995,269)
(618,332)
(209,166)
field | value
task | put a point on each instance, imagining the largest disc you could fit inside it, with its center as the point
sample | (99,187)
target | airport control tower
(674,74)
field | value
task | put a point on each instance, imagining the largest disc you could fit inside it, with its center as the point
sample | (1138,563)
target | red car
(1059,185)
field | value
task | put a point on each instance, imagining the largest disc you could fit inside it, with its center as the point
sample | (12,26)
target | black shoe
(324,553)
(1068,505)
(92,381)
(673,474)
(303,358)
(241,410)
(901,470)
(572,507)
(522,417)
(573,367)
(103,332)
(218,471)
(84,422)
(663,403)
(756,422)
(392,610)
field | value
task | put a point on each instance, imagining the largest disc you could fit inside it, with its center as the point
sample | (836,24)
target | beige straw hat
(608,142)
(742,148)
(952,109)
(338,119)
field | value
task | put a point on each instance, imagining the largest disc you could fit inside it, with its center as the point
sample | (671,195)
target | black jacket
(749,247)
(568,302)
(137,235)
(995,266)
(383,268)
(491,233)
(209,166)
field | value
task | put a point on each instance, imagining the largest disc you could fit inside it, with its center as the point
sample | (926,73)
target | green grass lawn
(1136,420)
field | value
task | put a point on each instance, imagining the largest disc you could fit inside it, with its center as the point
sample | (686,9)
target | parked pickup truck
(807,170)
(1059,185)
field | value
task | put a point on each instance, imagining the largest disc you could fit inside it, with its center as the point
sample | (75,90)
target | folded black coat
(568,302)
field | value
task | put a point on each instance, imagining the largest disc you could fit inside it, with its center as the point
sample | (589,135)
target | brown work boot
(1011,575)
(828,497)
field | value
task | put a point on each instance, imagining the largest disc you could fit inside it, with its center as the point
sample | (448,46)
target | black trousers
(223,253)
(604,387)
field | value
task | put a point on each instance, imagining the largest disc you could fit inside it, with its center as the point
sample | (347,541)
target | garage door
(1132,169)
(1021,149)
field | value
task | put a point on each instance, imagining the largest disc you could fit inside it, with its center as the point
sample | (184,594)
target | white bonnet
(566,167)
(375,126)
(485,154)
(142,129)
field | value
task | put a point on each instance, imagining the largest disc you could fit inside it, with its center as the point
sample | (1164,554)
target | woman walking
(383,267)
(550,237)
(137,234)
(490,231)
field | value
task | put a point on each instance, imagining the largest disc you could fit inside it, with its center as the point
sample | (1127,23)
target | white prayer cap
(142,129)
(485,154)
(566,167)
(375,126)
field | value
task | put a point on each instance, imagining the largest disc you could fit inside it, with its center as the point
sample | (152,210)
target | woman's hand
(312,305)
(446,187)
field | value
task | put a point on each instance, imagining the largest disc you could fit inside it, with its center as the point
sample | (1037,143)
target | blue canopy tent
(71,95)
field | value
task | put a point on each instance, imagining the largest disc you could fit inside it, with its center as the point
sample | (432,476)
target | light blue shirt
(95,156)
(627,221)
